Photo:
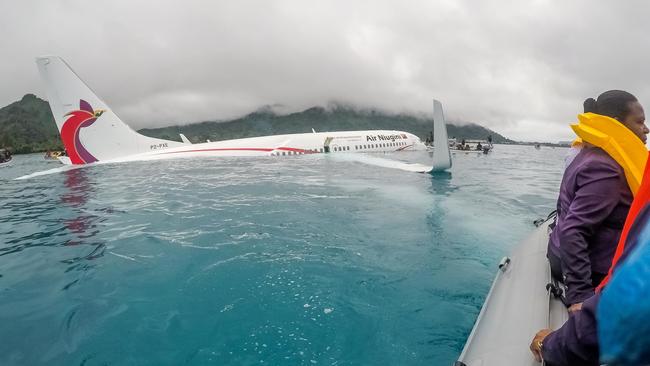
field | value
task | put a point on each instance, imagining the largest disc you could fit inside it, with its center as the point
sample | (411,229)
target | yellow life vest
(618,141)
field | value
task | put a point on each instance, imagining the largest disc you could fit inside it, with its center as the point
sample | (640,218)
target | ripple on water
(301,260)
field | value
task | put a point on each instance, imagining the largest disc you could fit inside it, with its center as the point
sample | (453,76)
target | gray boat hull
(517,306)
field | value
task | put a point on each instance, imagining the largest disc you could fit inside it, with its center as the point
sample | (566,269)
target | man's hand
(575,307)
(536,344)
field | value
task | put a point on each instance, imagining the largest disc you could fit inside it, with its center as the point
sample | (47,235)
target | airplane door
(326,145)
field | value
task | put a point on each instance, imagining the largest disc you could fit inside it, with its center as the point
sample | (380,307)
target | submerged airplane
(92,133)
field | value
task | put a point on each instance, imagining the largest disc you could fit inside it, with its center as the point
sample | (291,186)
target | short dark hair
(612,103)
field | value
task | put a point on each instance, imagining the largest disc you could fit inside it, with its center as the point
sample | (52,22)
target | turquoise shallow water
(289,261)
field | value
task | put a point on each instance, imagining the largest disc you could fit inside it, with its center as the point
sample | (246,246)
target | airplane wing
(384,163)
(276,150)
(185,139)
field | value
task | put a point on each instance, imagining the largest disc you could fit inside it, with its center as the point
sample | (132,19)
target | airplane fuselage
(371,141)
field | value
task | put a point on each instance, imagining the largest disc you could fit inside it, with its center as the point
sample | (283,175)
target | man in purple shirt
(592,205)
(591,209)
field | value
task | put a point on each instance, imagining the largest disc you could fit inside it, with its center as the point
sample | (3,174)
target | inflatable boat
(518,305)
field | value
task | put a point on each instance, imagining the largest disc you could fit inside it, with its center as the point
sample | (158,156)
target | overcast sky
(522,68)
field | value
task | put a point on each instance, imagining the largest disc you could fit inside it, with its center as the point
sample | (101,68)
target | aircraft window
(347,148)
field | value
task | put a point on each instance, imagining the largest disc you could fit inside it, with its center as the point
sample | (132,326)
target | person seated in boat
(610,328)
(5,156)
(479,147)
(593,202)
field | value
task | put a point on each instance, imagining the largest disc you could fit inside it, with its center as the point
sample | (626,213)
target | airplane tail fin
(441,153)
(89,129)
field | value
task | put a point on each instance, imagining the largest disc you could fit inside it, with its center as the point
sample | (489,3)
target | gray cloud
(520,68)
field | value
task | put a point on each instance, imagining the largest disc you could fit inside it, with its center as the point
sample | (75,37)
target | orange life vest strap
(642,197)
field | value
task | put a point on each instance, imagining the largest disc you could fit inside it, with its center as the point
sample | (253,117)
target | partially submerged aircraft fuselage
(91,132)
(292,144)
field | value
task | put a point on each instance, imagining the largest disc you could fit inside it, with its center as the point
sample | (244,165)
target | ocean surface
(304,260)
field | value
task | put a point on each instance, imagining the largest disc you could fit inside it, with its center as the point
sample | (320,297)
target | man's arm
(576,342)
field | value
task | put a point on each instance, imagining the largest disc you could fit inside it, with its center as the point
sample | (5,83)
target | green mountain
(339,118)
(28,125)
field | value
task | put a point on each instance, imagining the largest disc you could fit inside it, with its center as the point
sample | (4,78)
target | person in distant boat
(592,205)
(479,147)
(5,156)
(489,139)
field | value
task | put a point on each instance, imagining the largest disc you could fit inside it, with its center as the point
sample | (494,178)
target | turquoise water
(282,261)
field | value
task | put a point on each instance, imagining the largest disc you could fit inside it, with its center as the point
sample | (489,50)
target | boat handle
(503,265)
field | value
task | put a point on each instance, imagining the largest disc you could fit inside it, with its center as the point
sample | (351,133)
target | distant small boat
(469,146)
(538,146)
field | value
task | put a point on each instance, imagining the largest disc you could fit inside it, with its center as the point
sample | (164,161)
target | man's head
(623,107)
